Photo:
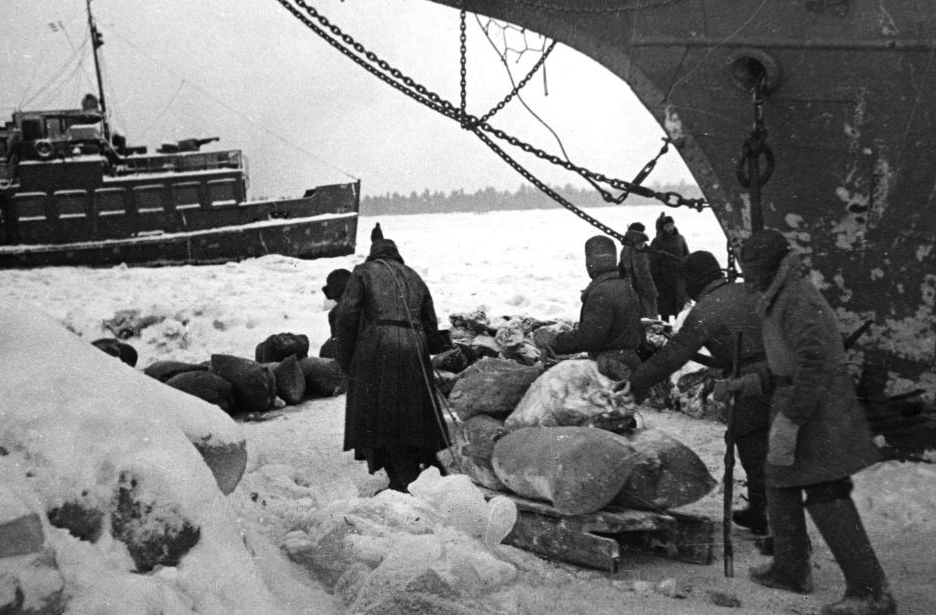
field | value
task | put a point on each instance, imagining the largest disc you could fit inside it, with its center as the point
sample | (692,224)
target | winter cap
(767,247)
(376,233)
(636,226)
(699,269)
(335,283)
(666,220)
(384,249)
(761,256)
(600,255)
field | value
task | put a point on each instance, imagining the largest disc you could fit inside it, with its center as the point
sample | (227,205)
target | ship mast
(97,41)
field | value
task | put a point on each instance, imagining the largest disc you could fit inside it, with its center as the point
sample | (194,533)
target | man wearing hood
(723,309)
(818,434)
(667,250)
(334,287)
(609,327)
(384,319)
(635,266)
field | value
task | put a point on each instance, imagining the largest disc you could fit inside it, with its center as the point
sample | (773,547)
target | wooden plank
(691,539)
(554,539)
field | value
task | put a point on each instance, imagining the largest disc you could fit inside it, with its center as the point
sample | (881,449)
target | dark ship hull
(850,121)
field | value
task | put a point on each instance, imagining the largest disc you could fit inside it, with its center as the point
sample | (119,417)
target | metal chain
(432,100)
(748,169)
(516,90)
(463,57)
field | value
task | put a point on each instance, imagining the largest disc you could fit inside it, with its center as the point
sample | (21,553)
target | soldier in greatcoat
(384,319)
(635,266)
(818,434)
(667,249)
(723,309)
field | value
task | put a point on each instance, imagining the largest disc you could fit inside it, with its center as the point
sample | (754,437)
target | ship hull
(325,235)
(849,121)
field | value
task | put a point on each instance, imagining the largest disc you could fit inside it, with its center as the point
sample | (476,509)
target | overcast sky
(249,72)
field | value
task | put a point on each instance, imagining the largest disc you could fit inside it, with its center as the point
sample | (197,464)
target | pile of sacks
(281,370)
(557,433)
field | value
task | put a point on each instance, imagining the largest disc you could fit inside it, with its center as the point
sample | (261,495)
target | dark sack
(453,360)
(667,473)
(493,387)
(473,447)
(323,377)
(116,348)
(254,384)
(290,381)
(164,370)
(207,386)
(277,347)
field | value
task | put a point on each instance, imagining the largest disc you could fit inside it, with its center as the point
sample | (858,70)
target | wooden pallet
(596,540)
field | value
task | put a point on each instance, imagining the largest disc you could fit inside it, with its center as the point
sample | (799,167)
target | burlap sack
(254,384)
(492,387)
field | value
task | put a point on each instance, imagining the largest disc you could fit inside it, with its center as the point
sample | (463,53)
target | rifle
(729,462)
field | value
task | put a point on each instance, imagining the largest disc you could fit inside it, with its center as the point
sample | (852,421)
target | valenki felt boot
(789,569)
(866,588)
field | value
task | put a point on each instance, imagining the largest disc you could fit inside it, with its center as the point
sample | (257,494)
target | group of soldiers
(797,427)
(798,431)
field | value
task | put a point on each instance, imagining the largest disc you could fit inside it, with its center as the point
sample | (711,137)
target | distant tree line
(491,199)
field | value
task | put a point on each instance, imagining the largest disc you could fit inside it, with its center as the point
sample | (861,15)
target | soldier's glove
(746,385)
(782,441)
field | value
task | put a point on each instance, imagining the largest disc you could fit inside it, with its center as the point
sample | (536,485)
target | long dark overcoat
(666,252)
(387,362)
(635,265)
(804,348)
(723,308)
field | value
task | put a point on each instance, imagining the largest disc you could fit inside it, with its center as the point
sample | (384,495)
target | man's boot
(752,453)
(866,589)
(789,569)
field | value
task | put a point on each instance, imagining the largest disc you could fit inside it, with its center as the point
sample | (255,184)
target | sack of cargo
(577,469)
(290,380)
(668,473)
(207,386)
(254,384)
(473,445)
(573,393)
(280,346)
(323,377)
(492,387)
(164,370)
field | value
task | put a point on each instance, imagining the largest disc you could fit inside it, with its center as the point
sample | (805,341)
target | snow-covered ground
(523,263)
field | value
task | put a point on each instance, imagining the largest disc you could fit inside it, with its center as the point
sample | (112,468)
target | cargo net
(510,41)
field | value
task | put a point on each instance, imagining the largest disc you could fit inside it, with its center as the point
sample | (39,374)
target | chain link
(463,57)
(396,79)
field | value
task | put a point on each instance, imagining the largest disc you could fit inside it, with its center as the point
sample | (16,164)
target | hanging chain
(463,57)
(393,77)
(748,169)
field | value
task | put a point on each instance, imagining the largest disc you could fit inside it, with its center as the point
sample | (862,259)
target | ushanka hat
(600,255)
(699,269)
(335,283)
(767,247)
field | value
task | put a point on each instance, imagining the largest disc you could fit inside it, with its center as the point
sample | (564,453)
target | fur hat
(636,226)
(699,269)
(600,255)
(384,249)
(761,256)
(335,283)
(766,247)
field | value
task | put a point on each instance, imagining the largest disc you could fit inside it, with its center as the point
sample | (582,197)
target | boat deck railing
(183,161)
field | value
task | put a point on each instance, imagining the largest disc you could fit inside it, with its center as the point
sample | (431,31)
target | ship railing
(188,161)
